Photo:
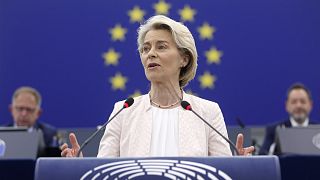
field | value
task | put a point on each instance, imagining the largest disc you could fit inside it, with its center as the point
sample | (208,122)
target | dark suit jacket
(49,133)
(270,136)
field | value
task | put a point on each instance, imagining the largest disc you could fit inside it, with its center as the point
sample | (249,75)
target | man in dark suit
(26,109)
(298,106)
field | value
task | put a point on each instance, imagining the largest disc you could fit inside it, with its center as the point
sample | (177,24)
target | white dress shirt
(164,137)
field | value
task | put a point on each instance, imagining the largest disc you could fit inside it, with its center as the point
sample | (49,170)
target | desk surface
(300,166)
(17,169)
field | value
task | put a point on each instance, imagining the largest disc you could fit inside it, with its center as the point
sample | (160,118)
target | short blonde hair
(30,90)
(183,39)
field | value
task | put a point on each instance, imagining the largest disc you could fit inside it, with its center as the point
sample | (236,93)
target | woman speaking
(156,124)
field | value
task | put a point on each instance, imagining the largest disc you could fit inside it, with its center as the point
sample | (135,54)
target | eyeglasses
(27,109)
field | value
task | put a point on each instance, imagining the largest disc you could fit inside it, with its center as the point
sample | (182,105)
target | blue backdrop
(250,52)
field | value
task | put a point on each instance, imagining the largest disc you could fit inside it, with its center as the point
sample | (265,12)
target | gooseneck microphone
(240,123)
(187,106)
(126,104)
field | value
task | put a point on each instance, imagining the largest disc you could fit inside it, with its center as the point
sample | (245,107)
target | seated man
(26,109)
(298,106)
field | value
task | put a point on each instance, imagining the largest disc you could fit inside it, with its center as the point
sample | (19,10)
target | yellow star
(136,14)
(118,81)
(213,55)
(206,31)
(207,80)
(118,33)
(136,94)
(162,7)
(187,13)
(111,57)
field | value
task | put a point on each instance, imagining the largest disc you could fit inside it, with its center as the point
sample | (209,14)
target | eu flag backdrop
(82,55)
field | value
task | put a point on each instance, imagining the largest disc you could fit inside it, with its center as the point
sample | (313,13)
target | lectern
(262,168)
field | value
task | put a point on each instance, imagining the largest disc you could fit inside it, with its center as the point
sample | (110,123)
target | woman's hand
(73,151)
(239,145)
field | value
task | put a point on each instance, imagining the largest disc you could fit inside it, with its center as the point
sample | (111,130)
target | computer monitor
(21,143)
(11,128)
(299,140)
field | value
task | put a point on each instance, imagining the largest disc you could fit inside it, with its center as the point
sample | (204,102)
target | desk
(300,166)
(17,169)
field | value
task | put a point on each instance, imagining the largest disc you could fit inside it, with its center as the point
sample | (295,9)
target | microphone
(126,104)
(240,123)
(254,142)
(187,106)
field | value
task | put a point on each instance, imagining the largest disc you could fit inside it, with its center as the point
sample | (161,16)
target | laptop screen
(299,140)
(3,128)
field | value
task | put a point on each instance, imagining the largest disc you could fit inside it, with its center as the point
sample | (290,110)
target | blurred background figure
(26,110)
(298,105)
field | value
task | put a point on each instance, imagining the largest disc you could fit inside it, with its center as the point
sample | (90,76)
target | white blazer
(129,134)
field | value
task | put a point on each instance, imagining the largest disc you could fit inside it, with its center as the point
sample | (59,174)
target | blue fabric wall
(57,47)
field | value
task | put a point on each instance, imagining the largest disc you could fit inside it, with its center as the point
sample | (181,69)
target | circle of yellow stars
(136,15)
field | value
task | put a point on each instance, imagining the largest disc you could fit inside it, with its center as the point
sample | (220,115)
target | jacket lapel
(142,140)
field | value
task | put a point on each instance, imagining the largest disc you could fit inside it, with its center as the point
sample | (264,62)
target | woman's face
(160,57)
